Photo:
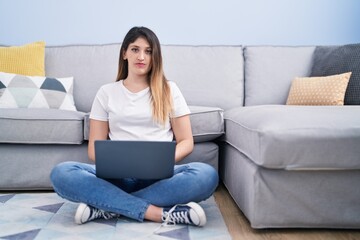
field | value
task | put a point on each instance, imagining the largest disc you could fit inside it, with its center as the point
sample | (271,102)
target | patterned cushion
(27,60)
(337,60)
(328,90)
(19,91)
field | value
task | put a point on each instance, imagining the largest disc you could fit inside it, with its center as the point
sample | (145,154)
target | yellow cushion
(28,59)
(329,90)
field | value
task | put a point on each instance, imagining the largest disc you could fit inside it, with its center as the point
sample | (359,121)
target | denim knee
(207,177)
(56,173)
(59,173)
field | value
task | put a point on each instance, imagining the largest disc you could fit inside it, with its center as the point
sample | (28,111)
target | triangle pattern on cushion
(53,84)
(2,85)
(5,78)
(20,81)
(23,96)
(39,101)
(38,81)
(7,100)
(68,103)
(54,98)
(67,83)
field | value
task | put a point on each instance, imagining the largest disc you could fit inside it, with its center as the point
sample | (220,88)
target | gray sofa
(33,141)
(290,166)
(285,166)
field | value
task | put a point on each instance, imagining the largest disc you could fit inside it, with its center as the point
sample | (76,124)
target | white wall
(192,22)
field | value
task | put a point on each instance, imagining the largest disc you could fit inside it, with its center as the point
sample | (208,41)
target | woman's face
(138,55)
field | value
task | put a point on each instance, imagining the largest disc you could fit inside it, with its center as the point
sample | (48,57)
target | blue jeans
(130,197)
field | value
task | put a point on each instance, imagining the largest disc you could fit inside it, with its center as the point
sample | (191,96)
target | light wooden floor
(239,226)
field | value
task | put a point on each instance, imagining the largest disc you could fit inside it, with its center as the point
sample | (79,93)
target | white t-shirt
(130,114)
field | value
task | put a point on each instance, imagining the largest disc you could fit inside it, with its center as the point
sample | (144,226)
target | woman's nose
(141,56)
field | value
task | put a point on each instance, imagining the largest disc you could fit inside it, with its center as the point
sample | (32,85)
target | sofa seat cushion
(41,126)
(207,123)
(296,137)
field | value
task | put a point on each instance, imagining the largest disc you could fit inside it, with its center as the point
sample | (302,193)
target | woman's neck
(135,84)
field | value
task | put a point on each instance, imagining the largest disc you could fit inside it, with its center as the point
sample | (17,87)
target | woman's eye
(149,51)
(135,50)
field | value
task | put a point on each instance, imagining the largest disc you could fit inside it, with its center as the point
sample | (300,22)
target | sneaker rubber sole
(200,212)
(80,212)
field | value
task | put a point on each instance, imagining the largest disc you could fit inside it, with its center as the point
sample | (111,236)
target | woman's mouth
(140,65)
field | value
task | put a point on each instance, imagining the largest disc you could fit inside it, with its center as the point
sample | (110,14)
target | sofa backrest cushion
(210,76)
(207,75)
(269,71)
(91,66)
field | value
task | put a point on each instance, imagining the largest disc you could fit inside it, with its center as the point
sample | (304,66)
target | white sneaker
(86,213)
(190,213)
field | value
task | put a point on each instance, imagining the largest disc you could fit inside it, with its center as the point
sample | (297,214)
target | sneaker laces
(97,213)
(170,218)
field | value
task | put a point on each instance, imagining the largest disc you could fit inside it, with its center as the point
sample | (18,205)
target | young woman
(140,105)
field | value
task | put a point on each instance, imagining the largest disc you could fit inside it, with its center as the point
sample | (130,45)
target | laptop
(117,159)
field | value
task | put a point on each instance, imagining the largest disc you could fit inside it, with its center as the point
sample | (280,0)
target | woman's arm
(181,127)
(99,130)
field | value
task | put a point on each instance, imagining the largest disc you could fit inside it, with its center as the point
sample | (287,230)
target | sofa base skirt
(28,167)
(272,198)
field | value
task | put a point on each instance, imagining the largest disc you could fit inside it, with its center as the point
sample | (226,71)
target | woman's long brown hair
(159,87)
